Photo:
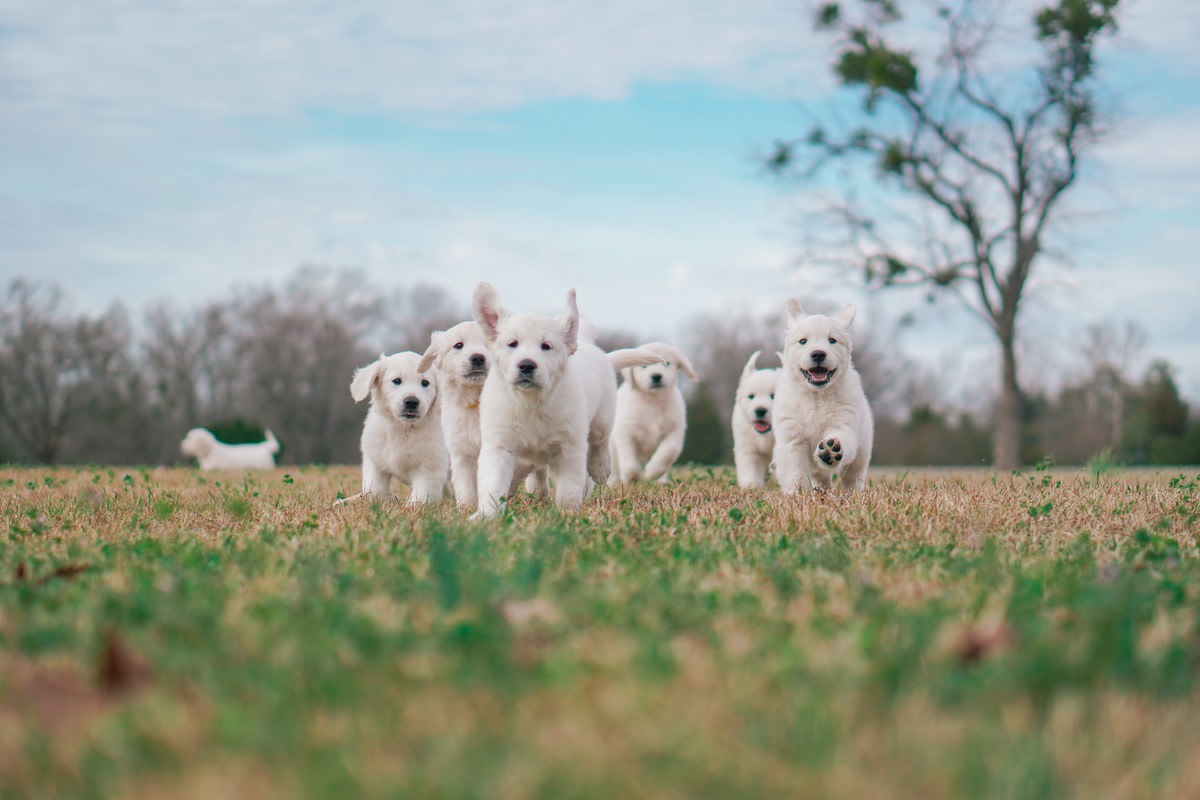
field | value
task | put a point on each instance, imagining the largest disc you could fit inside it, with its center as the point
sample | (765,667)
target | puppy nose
(477,360)
(760,412)
(411,403)
(817,356)
(527,366)
(656,378)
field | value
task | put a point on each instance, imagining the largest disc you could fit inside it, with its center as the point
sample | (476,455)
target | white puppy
(402,435)
(549,399)
(651,417)
(212,454)
(460,356)
(753,434)
(823,424)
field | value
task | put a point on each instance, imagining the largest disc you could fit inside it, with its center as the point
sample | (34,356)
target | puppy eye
(397,381)
(804,341)
(772,397)
(513,343)
(458,346)
(545,346)
(832,340)
(750,397)
(425,383)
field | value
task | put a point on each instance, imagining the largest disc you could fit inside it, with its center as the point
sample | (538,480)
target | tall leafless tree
(987,150)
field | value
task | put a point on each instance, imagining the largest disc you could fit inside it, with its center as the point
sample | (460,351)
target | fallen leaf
(120,669)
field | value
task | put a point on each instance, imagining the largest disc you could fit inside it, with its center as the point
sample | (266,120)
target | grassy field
(167,634)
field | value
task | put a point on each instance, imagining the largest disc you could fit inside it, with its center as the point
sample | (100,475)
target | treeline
(123,388)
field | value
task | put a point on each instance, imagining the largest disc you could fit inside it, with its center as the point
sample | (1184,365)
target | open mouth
(819,376)
(762,426)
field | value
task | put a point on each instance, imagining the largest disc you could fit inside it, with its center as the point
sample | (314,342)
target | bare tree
(986,151)
(1111,352)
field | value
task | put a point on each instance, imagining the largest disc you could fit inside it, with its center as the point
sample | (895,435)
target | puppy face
(530,352)
(817,348)
(756,395)
(459,354)
(660,377)
(396,386)
(197,443)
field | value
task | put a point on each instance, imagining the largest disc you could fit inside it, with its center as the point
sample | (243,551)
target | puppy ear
(779,355)
(431,352)
(793,309)
(364,379)
(684,363)
(571,324)
(847,316)
(486,308)
(751,364)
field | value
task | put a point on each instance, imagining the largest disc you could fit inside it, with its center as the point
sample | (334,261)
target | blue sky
(174,150)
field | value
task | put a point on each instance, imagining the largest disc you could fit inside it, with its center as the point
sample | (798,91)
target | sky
(175,150)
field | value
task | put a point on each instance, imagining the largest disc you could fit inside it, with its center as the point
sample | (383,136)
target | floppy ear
(431,352)
(751,364)
(793,309)
(684,363)
(365,378)
(847,315)
(486,308)
(571,324)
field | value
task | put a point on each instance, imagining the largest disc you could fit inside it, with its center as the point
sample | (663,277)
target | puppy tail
(633,357)
(272,442)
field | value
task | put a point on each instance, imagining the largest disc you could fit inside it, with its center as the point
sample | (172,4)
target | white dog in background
(651,417)
(212,454)
(548,400)
(753,431)
(823,423)
(402,435)
(460,356)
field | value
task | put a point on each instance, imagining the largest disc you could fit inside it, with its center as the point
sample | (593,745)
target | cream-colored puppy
(651,417)
(460,356)
(549,399)
(753,430)
(212,454)
(402,435)
(823,423)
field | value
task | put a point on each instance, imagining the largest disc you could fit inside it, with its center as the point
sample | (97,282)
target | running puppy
(549,400)
(213,454)
(460,357)
(651,417)
(402,435)
(753,434)
(823,424)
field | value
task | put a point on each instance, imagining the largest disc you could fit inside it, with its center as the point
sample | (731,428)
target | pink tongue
(762,427)
(818,372)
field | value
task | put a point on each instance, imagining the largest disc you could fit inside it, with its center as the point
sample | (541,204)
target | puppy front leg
(376,482)
(750,470)
(789,467)
(625,463)
(427,488)
(571,477)
(835,448)
(463,474)
(664,456)
(495,476)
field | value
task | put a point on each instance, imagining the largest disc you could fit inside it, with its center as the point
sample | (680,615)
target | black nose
(656,378)
(478,360)
(760,412)
(411,403)
(527,366)
(818,356)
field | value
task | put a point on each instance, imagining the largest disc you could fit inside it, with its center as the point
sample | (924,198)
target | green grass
(942,635)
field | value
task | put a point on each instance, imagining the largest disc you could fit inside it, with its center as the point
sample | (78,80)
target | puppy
(212,454)
(651,417)
(460,356)
(402,435)
(753,434)
(823,424)
(549,399)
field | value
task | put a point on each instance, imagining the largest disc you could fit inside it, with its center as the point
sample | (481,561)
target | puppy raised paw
(829,452)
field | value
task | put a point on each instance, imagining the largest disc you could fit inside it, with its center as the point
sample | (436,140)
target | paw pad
(829,452)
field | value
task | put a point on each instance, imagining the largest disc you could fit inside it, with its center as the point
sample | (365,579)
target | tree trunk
(1006,441)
